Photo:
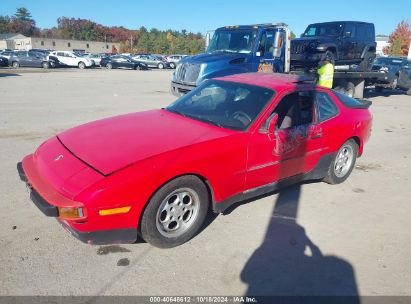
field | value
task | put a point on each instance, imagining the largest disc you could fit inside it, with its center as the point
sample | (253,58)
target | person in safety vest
(325,74)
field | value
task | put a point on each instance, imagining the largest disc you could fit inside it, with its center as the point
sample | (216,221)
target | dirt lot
(353,238)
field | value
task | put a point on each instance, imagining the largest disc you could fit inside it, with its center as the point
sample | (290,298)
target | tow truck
(256,48)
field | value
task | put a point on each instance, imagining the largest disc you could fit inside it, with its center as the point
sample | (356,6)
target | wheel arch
(358,142)
(202,178)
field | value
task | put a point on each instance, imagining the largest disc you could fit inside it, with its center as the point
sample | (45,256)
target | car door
(361,39)
(116,61)
(35,59)
(62,58)
(23,59)
(291,147)
(349,43)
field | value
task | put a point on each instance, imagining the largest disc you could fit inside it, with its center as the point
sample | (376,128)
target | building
(21,42)
(382,42)
(7,40)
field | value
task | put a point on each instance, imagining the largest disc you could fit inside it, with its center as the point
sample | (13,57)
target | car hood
(112,144)
(312,39)
(213,57)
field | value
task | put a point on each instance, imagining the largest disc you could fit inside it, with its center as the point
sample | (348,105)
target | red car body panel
(122,161)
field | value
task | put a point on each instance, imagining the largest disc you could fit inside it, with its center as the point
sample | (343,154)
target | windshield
(234,41)
(388,61)
(225,104)
(323,29)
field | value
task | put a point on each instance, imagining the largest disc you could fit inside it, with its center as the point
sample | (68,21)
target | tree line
(141,40)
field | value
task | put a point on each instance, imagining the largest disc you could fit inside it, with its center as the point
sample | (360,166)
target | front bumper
(306,58)
(179,89)
(38,200)
(97,237)
(103,237)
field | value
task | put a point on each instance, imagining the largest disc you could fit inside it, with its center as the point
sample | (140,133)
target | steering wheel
(242,117)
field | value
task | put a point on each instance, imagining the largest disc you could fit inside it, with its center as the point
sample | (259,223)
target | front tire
(343,163)
(15,65)
(330,56)
(175,213)
(45,65)
(81,65)
(172,65)
(109,66)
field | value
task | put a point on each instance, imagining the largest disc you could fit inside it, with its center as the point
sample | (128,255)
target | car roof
(273,81)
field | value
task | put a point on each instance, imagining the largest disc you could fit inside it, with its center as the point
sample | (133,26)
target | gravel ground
(350,239)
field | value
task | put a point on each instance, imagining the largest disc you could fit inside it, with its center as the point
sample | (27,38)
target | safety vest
(326,74)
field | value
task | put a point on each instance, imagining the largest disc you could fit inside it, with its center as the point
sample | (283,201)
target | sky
(201,16)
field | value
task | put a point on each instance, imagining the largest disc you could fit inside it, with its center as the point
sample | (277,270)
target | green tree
(4,23)
(23,14)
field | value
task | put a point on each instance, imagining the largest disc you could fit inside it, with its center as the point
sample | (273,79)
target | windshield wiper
(196,118)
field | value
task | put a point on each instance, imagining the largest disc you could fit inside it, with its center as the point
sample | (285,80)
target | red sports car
(157,173)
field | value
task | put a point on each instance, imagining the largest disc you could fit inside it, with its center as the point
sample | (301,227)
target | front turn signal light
(68,212)
(114,211)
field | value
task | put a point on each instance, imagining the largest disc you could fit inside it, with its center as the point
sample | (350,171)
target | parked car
(392,66)
(342,43)
(4,62)
(151,61)
(95,58)
(158,172)
(121,61)
(173,60)
(53,61)
(70,59)
(29,59)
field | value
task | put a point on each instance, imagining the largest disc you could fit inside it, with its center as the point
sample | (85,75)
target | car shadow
(288,263)
(370,93)
(2,74)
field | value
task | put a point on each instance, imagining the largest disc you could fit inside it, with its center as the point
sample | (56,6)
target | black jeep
(341,42)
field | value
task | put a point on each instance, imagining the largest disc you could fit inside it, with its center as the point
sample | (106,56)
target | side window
(349,30)
(362,31)
(267,42)
(326,108)
(295,109)
(60,54)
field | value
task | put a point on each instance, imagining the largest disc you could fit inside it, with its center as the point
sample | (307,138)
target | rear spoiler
(363,104)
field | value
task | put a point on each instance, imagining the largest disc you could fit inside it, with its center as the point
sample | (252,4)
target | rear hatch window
(351,102)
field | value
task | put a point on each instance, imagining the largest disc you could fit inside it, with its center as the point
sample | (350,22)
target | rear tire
(409,92)
(172,65)
(45,65)
(343,163)
(350,89)
(160,66)
(138,68)
(366,63)
(175,213)
(109,66)
(81,65)
(15,65)
(330,56)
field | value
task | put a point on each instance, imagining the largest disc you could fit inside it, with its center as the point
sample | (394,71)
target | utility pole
(131,41)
